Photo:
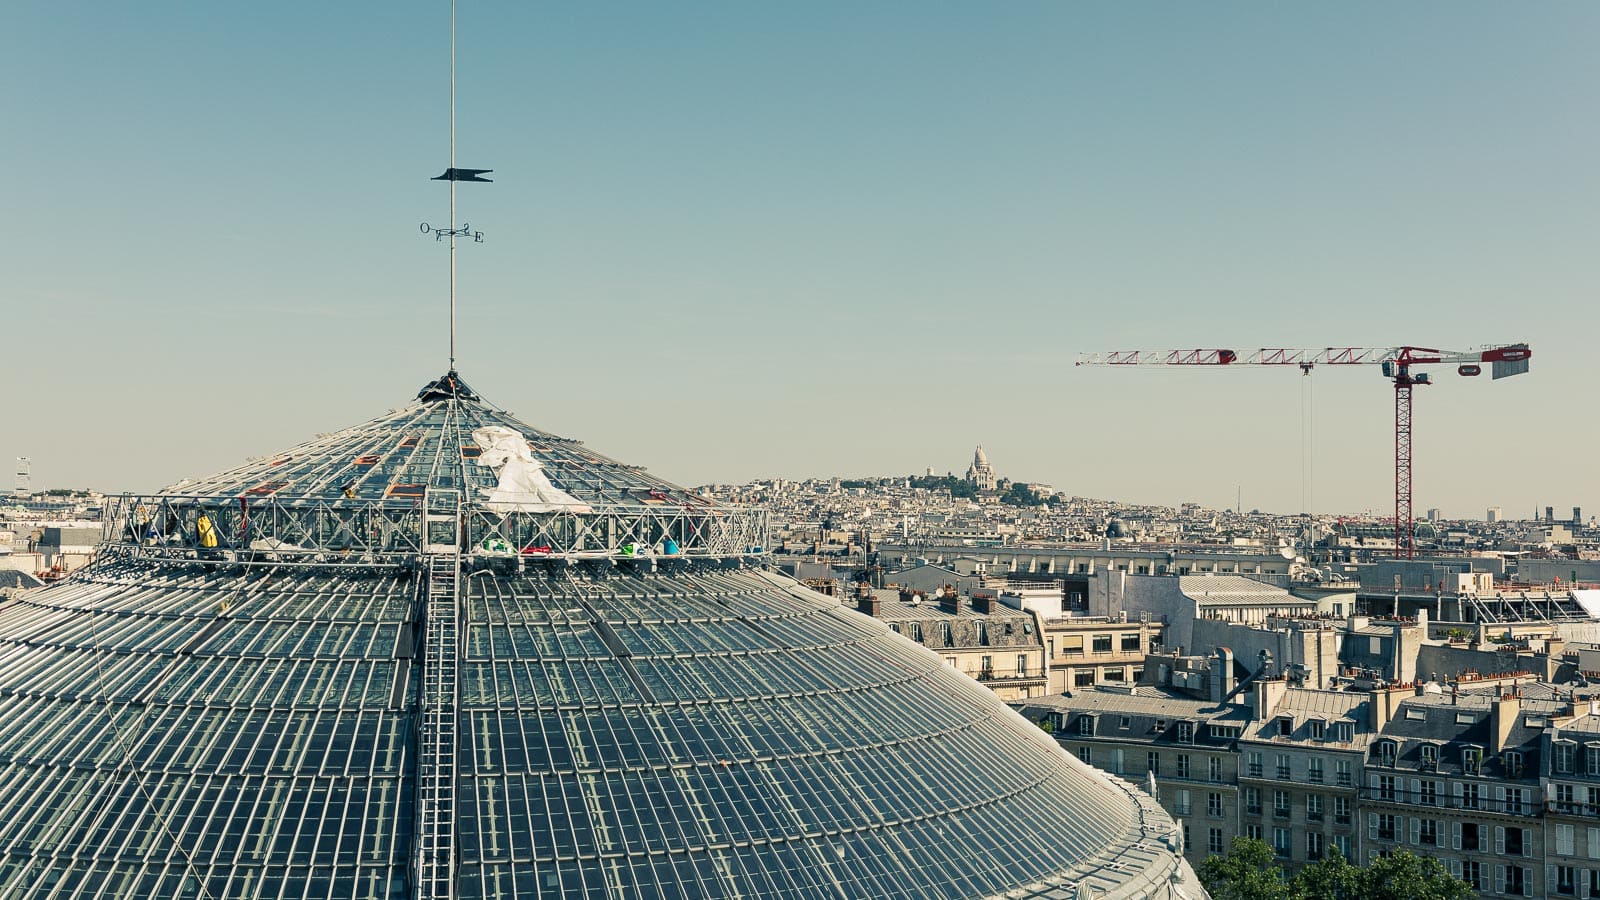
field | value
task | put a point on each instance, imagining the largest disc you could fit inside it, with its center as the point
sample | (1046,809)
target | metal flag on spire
(453,175)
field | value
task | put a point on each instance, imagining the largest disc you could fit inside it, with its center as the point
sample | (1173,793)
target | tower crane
(1504,361)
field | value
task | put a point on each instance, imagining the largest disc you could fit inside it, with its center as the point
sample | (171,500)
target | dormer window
(1387,751)
(1471,760)
(1513,760)
(1285,726)
(1185,732)
(1124,722)
(1161,726)
(1566,759)
(1345,732)
(1319,729)
(1591,756)
(1430,757)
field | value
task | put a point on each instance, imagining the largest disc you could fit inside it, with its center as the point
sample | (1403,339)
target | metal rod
(452,185)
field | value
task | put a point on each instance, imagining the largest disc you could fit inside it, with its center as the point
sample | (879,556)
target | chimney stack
(949,600)
(1221,674)
(1503,718)
(1382,707)
(868,602)
(982,603)
(1269,693)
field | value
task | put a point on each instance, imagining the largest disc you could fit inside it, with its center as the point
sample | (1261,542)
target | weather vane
(453,175)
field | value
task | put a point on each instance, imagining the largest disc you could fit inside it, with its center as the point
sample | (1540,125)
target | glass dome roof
(653,715)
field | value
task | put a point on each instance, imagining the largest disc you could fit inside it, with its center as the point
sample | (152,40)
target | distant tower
(1550,514)
(1434,515)
(24,484)
(1494,514)
(1577,515)
(981,475)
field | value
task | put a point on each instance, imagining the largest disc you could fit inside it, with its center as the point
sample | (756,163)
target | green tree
(1404,875)
(1330,878)
(1249,872)
(1245,872)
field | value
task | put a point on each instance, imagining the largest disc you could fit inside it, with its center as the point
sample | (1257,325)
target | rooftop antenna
(453,175)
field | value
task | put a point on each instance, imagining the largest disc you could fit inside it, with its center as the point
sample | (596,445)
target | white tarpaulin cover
(1590,601)
(523,485)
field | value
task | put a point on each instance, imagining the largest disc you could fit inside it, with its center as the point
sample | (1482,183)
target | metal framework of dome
(359,668)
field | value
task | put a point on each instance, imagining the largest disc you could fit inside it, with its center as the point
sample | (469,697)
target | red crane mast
(1504,361)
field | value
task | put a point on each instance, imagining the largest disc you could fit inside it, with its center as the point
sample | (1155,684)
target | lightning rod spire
(453,175)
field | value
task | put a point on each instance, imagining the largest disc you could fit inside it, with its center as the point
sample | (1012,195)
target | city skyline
(877,236)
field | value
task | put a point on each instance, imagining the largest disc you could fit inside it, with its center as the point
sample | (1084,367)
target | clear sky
(730,240)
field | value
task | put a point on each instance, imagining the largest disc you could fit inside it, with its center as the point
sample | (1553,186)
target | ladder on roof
(436,757)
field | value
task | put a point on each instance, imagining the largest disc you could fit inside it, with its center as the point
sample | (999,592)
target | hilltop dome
(444,654)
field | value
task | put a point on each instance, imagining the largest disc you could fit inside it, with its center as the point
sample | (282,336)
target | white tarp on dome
(523,485)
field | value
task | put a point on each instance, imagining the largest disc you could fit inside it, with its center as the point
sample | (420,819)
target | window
(1471,796)
(983,634)
(1152,761)
(1252,801)
(1254,762)
(1566,754)
(1318,729)
(1280,841)
(1564,840)
(1085,756)
(1515,880)
(1515,841)
(1430,757)
(1116,760)
(1102,643)
(1214,841)
(1314,770)
(1515,799)
(1185,732)
(1342,841)
(1382,826)
(1083,678)
(1470,836)
(1253,832)
(986,667)
(1594,882)
(1386,788)
(1130,643)
(1180,806)
(1341,810)
(1314,808)
(1285,726)
(1022,665)
(1472,873)
(916,631)
(1314,845)
(1183,765)
(1086,724)
(1124,722)
(1214,768)
(1280,804)
(1427,832)
(1514,763)
(1341,772)
(1386,753)
(1214,805)
(1566,881)
(1471,759)
(1428,795)
(1591,756)
(1282,765)
(1564,799)
(1344,731)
